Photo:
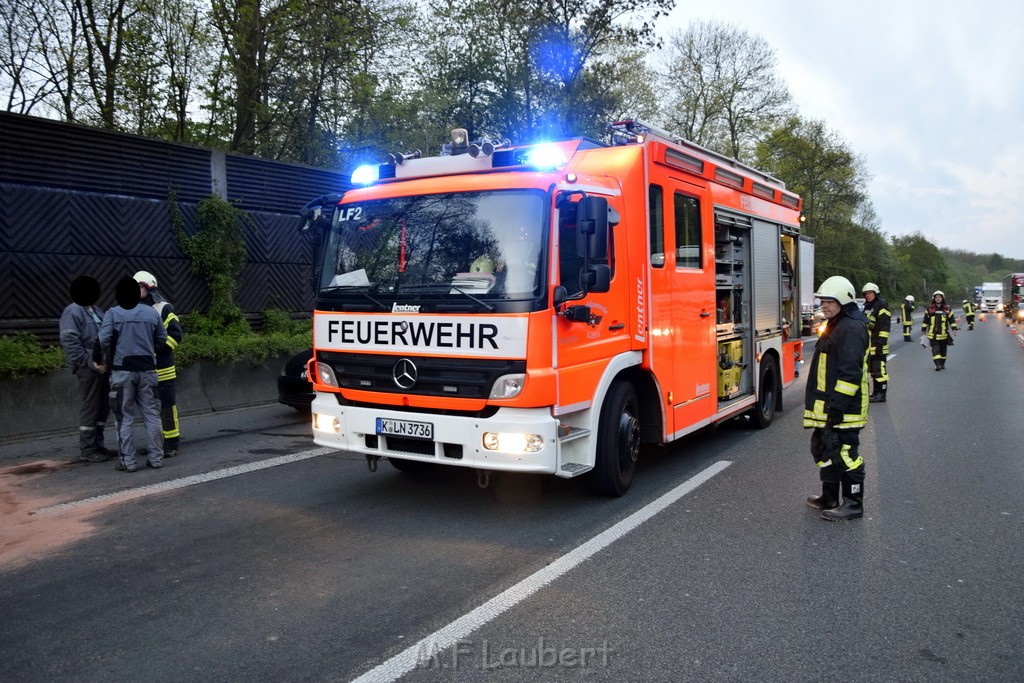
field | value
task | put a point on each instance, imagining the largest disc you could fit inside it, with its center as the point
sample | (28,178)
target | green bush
(22,355)
(227,348)
(277,321)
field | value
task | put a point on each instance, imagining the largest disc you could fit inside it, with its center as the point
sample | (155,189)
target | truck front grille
(455,377)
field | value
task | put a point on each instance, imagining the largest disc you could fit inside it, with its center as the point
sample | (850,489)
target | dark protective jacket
(838,379)
(165,368)
(879,324)
(968,310)
(907,313)
(79,336)
(938,321)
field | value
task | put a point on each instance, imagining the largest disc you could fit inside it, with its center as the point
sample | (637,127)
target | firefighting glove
(830,441)
(834,417)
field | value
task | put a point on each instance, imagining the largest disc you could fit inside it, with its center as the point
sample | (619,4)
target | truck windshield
(476,246)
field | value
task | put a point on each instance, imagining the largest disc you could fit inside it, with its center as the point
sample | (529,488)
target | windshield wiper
(447,286)
(361,289)
(490,308)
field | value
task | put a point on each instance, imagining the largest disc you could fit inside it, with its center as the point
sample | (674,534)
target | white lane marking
(447,636)
(183,482)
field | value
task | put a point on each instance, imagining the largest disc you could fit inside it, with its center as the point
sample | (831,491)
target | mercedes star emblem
(404,373)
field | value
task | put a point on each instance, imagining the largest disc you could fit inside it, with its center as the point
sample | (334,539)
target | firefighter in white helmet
(165,370)
(836,402)
(907,316)
(939,325)
(879,324)
(969,314)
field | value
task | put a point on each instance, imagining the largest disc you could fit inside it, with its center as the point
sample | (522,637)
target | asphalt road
(314,568)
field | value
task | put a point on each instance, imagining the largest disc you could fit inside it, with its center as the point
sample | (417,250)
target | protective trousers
(169,414)
(879,371)
(837,455)
(939,352)
(970,322)
(130,391)
(92,416)
(908,326)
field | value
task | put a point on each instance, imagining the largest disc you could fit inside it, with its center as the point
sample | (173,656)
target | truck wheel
(618,441)
(767,395)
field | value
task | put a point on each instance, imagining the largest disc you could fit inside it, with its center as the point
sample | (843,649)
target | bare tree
(41,56)
(25,87)
(105,23)
(722,88)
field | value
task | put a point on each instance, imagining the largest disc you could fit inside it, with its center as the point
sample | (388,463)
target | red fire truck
(548,308)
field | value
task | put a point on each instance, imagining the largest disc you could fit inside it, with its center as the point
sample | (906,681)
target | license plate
(412,430)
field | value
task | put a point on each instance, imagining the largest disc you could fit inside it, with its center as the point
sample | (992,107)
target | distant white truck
(991,297)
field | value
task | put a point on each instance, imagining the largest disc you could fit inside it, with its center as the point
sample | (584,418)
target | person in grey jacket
(79,337)
(129,335)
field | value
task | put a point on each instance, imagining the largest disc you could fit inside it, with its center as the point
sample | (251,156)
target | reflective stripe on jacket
(165,368)
(838,377)
(879,324)
(938,321)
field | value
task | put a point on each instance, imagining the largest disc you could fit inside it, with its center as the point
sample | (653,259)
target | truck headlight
(512,442)
(325,374)
(326,423)
(508,386)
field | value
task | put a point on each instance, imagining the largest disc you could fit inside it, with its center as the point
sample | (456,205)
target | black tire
(618,441)
(769,386)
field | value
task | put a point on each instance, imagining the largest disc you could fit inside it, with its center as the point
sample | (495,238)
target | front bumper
(456,440)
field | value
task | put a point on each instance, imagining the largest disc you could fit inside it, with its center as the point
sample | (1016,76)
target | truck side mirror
(598,277)
(313,219)
(592,227)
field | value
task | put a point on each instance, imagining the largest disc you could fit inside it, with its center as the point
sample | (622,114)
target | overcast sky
(929,93)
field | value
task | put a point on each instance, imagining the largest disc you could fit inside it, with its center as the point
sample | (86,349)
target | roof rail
(635,127)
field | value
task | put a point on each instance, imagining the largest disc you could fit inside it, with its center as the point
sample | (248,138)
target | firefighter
(907,316)
(969,314)
(879,324)
(836,402)
(938,325)
(165,370)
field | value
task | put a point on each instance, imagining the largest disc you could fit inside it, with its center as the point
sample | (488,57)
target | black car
(293,386)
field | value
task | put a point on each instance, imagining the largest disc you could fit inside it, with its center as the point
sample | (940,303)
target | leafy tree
(925,267)
(818,165)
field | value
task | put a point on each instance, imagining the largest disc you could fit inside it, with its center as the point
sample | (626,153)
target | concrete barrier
(48,404)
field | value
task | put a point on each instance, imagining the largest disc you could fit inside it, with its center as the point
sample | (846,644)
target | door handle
(705,314)
(616,326)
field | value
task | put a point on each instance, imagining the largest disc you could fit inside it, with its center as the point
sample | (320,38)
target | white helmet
(938,292)
(910,298)
(870,287)
(144,277)
(836,287)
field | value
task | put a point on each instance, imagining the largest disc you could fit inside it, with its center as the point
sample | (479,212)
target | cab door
(683,307)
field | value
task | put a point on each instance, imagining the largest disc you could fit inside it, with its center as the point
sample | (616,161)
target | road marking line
(184,482)
(449,635)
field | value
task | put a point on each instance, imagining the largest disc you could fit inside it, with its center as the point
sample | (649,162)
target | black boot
(853,504)
(828,499)
(879,395)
